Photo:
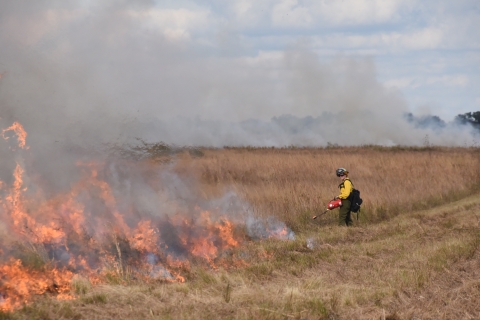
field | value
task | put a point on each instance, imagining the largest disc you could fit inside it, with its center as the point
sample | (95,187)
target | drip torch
(335,203)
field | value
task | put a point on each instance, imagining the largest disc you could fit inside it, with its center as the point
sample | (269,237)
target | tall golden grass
(294,184)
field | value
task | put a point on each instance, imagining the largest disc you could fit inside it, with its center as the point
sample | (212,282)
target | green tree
(472,118)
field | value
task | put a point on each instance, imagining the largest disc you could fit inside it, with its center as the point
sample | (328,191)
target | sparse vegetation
(80,285)
(413,253)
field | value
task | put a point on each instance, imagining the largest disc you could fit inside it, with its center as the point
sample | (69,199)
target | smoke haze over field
(79,75)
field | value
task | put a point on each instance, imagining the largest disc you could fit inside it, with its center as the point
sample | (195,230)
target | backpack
(355,201)
(354,197)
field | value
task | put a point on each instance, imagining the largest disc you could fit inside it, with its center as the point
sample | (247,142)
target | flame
(92,231)
(20,285)
(281,232)
(19,131)
(23,222)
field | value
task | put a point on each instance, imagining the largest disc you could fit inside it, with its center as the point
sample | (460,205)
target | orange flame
(145,237)
(89,230)
(20,132)
(21,285)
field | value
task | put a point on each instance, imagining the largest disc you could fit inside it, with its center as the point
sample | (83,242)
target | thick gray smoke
(82,75)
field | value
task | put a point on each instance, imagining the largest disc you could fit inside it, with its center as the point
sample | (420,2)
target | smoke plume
(82,75)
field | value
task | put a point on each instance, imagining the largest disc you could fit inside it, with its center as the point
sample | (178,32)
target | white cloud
(265,57)
(288,13)
(352,12)
(460,80)
(313,13)
(241,7)
(173,23)
(428,38)
(400,83)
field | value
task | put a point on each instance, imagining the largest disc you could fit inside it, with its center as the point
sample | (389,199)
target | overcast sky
(67,66)
(429,50)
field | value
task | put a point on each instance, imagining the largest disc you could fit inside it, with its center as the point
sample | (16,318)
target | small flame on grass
(17,128)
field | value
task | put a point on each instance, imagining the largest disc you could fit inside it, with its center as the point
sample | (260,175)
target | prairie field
(291,184)
(413,252)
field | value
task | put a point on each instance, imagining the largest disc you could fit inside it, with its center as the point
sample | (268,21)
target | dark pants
(345,216)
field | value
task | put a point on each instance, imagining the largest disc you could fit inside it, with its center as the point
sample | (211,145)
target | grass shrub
(5,315)
(80,285)
(30,256)
(95,298)
(205,277)
(67,311)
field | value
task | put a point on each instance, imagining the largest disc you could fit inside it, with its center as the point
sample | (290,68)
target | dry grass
(292,184)
(415,254)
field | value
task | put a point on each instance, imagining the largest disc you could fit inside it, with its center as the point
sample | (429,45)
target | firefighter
(346,187)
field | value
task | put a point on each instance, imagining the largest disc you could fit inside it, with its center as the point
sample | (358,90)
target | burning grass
(122,221)
(201,235)
(89,232)
(406,267)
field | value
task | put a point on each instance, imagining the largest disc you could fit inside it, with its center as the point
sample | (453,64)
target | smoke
(79,75)
(268,228)
(84,77)
(151,210)
(433,122)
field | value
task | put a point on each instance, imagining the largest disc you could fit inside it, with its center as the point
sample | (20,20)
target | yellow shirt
(346,188)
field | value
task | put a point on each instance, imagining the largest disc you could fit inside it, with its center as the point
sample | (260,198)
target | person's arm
(346,190)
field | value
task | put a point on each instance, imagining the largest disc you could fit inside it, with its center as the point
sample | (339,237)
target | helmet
(341,172)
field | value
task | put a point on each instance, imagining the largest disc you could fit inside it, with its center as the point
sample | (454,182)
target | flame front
(97,230)
(20,284)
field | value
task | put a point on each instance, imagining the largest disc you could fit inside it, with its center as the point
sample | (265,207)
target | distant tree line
(427,121)
(435,122)
(472,118)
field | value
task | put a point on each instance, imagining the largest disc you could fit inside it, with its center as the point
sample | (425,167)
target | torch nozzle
(315,217)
